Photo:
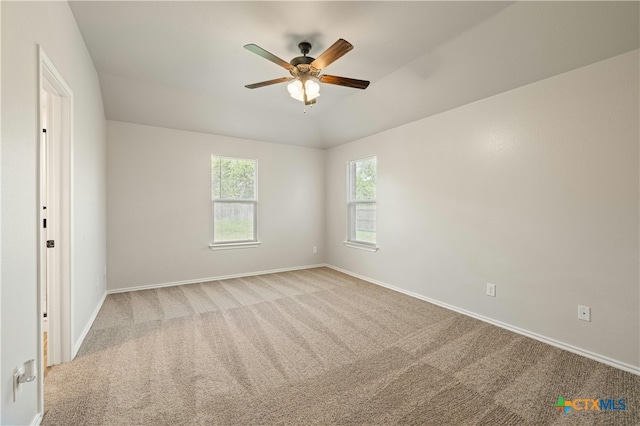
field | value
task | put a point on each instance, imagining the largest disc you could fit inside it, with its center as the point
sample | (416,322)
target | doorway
(55,124)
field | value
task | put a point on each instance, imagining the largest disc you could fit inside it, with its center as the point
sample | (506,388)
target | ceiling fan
(305,71)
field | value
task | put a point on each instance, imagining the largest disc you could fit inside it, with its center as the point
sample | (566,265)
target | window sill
(231,246)
(359,246)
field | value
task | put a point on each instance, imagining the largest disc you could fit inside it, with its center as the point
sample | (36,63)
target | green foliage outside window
(365,179)
(234,196)
(362,208)
(232,178)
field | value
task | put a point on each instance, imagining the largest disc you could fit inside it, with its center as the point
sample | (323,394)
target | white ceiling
(182,65)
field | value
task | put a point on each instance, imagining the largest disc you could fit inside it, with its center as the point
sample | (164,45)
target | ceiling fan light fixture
(297,90)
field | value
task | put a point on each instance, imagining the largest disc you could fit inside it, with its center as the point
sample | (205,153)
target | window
(361,203)
(234,202)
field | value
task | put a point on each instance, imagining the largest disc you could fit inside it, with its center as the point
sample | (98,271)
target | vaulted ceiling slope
(182,64)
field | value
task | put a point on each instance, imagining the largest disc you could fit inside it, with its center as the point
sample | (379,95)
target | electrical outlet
(491,290)
(584,313)
(315,250)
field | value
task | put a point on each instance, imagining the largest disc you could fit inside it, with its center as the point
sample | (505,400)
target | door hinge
(51,243)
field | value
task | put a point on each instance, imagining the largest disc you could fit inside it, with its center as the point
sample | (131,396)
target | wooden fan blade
(344,81)
(333,53)
(267,55)
(268,82)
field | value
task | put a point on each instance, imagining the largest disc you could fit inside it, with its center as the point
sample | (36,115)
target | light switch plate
(491,290)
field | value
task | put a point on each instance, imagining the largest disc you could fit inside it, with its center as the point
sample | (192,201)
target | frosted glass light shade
(296,90)
(313,89)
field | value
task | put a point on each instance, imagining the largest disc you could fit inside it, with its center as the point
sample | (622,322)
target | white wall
(24,26)
(535,190)
(159,206)
(0,202)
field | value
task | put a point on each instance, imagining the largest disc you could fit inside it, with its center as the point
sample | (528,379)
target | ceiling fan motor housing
(304,47)
(302,68)
(306,60)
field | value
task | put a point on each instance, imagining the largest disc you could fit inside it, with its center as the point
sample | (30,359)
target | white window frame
(351,240)
(225,245)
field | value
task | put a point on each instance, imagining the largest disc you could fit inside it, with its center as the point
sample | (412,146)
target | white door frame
(59,140)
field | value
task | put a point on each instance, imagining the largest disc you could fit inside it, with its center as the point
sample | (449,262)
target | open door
(54,226)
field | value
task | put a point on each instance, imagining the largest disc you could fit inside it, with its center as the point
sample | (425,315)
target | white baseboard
(87,327)
(570,348)
(219,278)
(37,419)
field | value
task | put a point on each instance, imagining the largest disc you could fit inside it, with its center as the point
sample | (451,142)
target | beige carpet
(316,347)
